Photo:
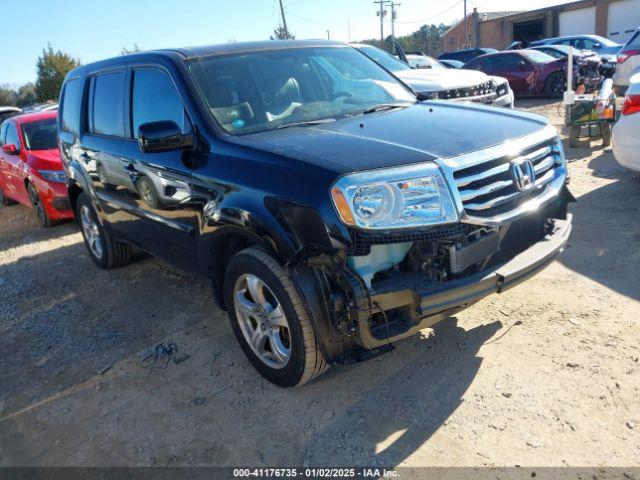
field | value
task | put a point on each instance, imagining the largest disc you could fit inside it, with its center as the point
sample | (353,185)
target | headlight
(412,196)
(502,89)
(56,176)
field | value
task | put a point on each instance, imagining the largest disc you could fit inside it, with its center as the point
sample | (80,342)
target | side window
(105,108)
(3,132)
(508,62)
(154,98)
(12,135)
(72,97)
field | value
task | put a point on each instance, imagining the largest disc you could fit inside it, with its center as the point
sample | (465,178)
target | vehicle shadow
(409,398)
(61,325)
(606,230)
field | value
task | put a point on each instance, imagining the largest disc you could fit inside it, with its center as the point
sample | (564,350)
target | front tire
(269,320)
(38,207)
(102,248)
(555,85)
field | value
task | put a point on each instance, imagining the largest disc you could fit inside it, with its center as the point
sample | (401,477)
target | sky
(95,29)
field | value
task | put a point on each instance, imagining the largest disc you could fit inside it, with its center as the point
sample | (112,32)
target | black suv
(333,213)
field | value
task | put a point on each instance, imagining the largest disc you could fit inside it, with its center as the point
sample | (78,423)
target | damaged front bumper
(417,304)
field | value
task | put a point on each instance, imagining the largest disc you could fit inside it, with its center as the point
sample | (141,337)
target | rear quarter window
(72,99)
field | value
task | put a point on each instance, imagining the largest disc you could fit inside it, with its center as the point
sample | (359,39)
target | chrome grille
(487,189)
(467,93)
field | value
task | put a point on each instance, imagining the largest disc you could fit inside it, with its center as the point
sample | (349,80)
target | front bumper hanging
(428,306)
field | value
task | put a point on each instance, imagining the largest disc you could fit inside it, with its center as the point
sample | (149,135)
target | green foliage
(279,33)
(427,39)
(52,66)
(26,95)
(8,96)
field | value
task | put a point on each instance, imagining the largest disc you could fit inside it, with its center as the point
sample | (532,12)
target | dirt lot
(545,374)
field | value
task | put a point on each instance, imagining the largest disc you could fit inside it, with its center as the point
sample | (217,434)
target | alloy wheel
(262,321)
(91,232)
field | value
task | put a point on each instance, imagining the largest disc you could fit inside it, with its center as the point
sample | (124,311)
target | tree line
(53,65)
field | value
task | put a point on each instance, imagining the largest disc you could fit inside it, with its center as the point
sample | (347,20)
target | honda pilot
(334,214)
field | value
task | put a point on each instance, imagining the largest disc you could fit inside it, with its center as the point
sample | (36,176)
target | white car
(628,63)
(439,82)
(626,131)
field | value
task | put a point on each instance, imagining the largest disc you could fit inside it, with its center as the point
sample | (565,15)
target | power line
(433,16)
(313,21)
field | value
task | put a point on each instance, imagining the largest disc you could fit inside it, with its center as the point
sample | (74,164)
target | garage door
(623,19)
(578,22)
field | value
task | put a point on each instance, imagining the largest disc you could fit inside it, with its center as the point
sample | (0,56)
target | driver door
(160,191)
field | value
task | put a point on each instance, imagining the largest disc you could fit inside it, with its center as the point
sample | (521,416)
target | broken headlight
(408,196)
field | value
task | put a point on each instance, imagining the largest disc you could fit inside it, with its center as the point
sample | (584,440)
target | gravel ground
(544,374)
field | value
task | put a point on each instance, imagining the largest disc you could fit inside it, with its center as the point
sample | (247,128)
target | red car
(30,168)
(530,73)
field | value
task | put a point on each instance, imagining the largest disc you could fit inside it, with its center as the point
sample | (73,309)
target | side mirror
(596,46)
(163,136)
(522,65)
(10,149)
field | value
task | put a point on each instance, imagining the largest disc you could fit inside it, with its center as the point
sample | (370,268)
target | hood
(421,132)
(45,159)
(435,80)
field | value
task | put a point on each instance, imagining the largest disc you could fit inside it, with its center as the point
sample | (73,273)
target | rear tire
(102,248)
(263,304)
(4,200)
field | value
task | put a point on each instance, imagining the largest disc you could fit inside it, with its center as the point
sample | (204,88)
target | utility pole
(349,29)
(284,21)
(381,14)
(328,37)
(393,19)
(466,27)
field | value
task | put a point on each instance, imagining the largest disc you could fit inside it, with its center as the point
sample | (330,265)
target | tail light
(623,56)
(631,104)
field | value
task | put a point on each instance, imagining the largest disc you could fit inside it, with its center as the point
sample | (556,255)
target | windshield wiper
(384,106)
(306,123)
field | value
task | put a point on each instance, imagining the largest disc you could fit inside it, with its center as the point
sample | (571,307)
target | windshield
(604,41)
(537,57)
(272,89)
(383,58)
(40,135)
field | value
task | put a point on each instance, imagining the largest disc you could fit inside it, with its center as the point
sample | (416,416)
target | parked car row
(332,210)
(595,58)
(438,82)
(30,169)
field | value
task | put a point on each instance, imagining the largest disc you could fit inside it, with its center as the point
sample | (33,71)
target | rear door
(160,184)
(102,143)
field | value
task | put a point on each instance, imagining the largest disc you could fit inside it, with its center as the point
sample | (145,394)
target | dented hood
(422,132)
